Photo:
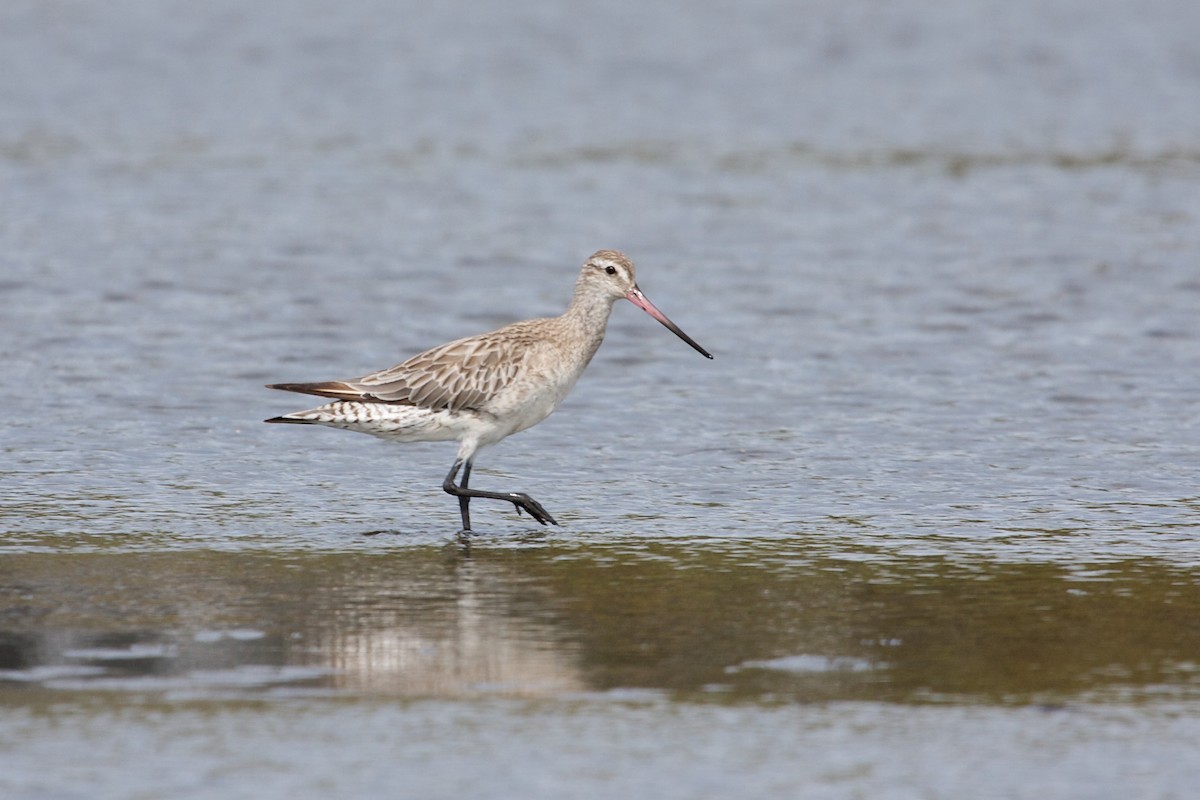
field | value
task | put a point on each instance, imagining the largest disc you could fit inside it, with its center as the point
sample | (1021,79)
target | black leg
(522,502)
(464,497)
(464,500)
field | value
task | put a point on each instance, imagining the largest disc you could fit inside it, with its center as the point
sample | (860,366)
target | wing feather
(463,374)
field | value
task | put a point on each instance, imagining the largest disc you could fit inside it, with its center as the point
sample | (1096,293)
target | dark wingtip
(288,419)
(338,390)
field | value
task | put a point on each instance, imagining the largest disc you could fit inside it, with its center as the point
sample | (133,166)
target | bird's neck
(588,314)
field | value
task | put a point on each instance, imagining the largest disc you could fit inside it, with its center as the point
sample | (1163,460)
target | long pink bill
(636,297)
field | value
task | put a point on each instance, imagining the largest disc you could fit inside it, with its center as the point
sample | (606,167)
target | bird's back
(468,373)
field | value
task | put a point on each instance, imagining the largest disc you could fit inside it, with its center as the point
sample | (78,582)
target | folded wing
(459,375)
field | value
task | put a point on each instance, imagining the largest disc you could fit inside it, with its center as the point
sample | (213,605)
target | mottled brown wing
(459,375)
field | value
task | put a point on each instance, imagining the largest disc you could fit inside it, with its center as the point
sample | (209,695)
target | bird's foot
(532,507)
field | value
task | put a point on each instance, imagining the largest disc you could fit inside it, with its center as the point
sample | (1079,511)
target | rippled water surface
(926,527)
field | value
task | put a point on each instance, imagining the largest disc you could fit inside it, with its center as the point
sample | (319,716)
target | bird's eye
(611,270)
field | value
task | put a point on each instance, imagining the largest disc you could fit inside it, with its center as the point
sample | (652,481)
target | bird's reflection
(460,638)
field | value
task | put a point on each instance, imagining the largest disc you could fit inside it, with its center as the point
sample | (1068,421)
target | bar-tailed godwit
(478,390)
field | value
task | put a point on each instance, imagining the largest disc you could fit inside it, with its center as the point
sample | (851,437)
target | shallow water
(791,620)
(929,518)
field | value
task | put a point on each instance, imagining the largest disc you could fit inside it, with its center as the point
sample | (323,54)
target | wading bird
(478,390)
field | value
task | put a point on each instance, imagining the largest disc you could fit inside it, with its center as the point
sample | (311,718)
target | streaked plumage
(480,389)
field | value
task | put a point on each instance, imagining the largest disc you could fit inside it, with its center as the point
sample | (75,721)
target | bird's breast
(533,397)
